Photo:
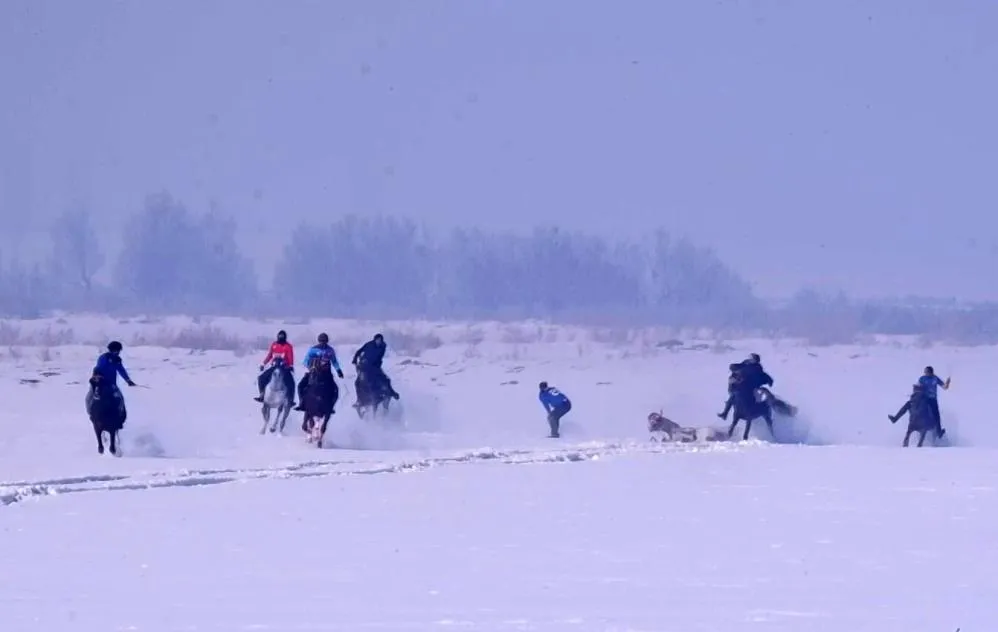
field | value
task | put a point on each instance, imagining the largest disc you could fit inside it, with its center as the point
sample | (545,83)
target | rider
(320,351)
(368,361)
(930,382)
(556,404)
(282,350)
(106,371)
(746,376)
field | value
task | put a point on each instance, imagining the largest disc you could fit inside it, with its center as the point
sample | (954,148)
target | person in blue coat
(930,383)
(556,404)
(321,351)
(106,371)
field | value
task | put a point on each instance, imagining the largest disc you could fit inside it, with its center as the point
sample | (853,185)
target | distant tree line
(174,261)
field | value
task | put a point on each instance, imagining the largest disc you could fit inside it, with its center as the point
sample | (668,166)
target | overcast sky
(840,143)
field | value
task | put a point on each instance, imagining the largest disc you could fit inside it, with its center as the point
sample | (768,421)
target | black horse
(106,409)
(321,395)
(920,417)
(748,406)
(371,395)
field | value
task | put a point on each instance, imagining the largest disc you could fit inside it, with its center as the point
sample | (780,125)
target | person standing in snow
(930,383)
(556,404)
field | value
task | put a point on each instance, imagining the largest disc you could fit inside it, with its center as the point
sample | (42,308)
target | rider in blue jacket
(106,371)
(321,351)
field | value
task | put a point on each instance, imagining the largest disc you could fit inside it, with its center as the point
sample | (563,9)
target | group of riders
(750,397)
(371,383)
(748,392)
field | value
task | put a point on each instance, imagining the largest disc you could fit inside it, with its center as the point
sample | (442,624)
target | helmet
(543,386)
(323,338)
(282,336)
(754,357)
(379,338)
(114,346)
(929,370)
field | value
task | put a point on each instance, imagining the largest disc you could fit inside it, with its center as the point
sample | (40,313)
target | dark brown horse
(321,395)
(372,395)
(106,410)
(920,418)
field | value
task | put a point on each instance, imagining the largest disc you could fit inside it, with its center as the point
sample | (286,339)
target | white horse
(275,397)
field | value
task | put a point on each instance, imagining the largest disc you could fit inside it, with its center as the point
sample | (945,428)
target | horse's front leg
(921,437)
(748,429)
(907,437)
(100,437)
(322,429)
(114,442)
(265,413)
(734,424)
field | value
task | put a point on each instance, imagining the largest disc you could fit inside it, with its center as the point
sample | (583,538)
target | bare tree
(76,253)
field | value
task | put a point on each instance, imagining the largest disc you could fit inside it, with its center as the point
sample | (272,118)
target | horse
(920,418)
(369,398)
(320,402)
(275,397)
(749,406)
(107,413)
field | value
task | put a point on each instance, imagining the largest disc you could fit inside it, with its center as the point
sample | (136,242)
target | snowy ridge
(12,492)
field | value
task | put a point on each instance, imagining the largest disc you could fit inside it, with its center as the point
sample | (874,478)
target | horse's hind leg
(265,413)
(734,424)
(748,429)
(921,437)
(907,437)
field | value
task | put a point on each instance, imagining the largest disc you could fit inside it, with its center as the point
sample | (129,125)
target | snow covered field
(472,519)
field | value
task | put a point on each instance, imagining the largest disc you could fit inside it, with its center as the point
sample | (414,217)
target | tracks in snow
(14,492)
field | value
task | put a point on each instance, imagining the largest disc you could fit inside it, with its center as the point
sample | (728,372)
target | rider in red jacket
(281,350)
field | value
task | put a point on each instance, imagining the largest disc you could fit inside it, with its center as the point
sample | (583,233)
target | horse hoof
(100,449)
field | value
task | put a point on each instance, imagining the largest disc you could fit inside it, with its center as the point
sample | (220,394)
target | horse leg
(768,416)
(748,428)
(907,437)
(278,411)
(921,437)
(265,413)
(100,438)
(114,442)
(283,414)
(734,424)
(322,428)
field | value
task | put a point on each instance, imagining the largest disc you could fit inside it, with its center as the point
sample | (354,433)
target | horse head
(321,369)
